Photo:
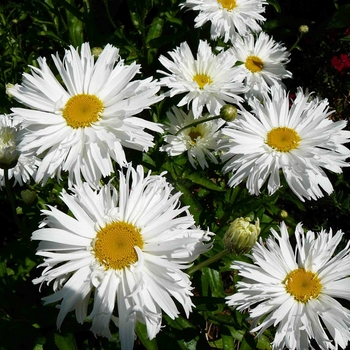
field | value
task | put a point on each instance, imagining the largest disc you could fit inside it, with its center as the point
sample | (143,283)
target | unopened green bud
(241,236)
(303,29)
(228,112)
(96,51)
(29,196)
(8,87)
(283,214)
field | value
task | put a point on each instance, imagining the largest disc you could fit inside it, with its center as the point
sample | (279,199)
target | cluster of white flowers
(270,135)
(129,247)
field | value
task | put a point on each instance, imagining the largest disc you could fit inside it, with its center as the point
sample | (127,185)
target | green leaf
(38,347)
(275,4)
(65,342)
(155,29)
(264,343)
(188,199)
(215,282)
(75,25)
(2,268)
(147,159)
(141,332)
(203,181)
(341,18)
(248,342)
(227,342)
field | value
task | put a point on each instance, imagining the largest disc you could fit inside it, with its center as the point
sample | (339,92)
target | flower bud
(303,29)
(8,147)
(283,214)
(228,112)
(8,87)
(96,51)
(29,197)
(241,235)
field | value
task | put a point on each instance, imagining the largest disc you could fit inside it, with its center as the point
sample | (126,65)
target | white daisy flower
(209,80)
(129,250)
(228,17)
(198,140)
(82,126)
(294,291)
(299,140)
(20,166)
(263,62)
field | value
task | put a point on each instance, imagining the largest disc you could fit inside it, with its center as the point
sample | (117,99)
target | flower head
(199,140)
(299,140)
(129,249)
(295,291)
(241,235)
(209,80)
(82,126)
(263,63)
(228,17)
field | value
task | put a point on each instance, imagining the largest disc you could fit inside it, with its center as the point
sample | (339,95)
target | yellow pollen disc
(254,64)
(115,245)
(202,80)
(303,285)
(283,139)
(193,135)
(229,5)
(82,110)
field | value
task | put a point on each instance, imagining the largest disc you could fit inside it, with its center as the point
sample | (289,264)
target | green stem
(196,123)
(296,43)
(207,262)
(109,15)
(11,199)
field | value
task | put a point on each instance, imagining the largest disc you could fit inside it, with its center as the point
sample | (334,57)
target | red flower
(341,63)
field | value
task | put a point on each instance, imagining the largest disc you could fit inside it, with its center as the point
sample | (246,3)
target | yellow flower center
(283,139)
(229,5)
(115,245)
(303,285)
(254,64)
(194,134)
(82,110)
(202,80)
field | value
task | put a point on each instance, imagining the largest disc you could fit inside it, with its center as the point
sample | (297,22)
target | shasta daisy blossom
(300,141)
(199,140)
(295,290)
(208,81)
(20,166)
(263,63)
(82,126)
(229,18)
(128,249)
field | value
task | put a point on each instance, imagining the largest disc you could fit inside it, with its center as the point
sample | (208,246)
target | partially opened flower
(82,126)
(295,290)
(300,141)
(229,18)
(208,81)
(20,166)
(199,140)
(127,248)
(263,63)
